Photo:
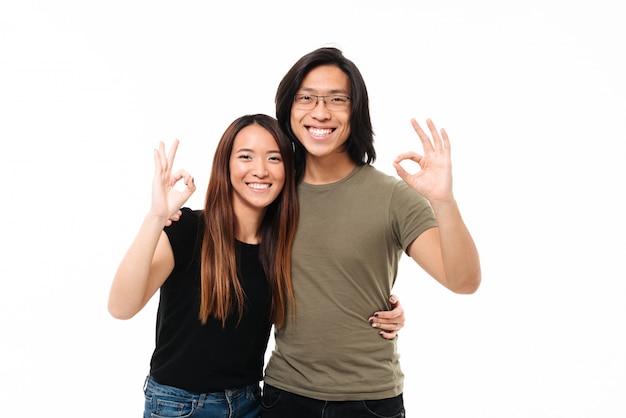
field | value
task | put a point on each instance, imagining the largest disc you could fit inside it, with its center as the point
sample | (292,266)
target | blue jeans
(166,401)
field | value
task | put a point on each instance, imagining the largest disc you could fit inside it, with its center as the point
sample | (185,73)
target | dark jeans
(277,403)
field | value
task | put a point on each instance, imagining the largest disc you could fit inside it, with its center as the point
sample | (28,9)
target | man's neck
(329,169)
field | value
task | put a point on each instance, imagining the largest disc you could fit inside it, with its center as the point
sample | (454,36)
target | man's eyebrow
(334,91)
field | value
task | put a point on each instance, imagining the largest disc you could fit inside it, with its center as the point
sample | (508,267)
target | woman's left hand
(389,322)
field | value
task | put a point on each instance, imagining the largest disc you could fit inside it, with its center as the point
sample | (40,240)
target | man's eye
(338,99)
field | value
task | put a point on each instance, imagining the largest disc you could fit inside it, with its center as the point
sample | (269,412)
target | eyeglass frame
(317,99)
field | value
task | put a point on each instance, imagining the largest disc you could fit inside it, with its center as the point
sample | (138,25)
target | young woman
(223,273)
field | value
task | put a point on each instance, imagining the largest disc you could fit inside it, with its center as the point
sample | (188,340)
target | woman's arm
(150,259)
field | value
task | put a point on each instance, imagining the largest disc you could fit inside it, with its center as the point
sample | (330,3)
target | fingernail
(376,315)
(371,321)
(393,299)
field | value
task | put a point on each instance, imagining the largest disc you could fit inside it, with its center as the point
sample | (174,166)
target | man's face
(323,129)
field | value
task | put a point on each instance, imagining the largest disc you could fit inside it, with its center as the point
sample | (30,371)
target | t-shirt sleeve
(179,234)
(411,214)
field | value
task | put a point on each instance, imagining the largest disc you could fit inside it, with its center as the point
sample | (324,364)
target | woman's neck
(247,224)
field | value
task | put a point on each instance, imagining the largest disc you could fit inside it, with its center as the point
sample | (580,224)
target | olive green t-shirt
(351,235)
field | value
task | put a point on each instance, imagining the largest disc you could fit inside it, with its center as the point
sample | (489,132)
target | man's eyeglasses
(332,102)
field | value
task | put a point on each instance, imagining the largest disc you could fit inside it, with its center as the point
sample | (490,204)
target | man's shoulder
(373,174)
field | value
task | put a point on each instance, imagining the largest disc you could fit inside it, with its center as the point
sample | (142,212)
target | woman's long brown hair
(221,291)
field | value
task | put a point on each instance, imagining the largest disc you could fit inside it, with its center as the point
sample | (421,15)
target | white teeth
(320,132)
(259,186)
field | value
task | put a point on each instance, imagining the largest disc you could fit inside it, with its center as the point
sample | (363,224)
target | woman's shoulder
(192,212)
(189,219)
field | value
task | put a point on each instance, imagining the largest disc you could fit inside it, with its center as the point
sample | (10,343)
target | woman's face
(257,173)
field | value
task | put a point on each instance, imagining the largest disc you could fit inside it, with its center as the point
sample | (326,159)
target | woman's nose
(260,170)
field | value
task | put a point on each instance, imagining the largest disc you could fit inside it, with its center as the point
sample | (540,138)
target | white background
(532,94)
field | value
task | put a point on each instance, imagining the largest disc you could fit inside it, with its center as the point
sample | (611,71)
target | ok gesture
(166,199)
(434,179)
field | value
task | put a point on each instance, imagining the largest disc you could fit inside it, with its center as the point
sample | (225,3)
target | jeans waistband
(154,386)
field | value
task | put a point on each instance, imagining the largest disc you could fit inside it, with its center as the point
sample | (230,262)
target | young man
(355,223)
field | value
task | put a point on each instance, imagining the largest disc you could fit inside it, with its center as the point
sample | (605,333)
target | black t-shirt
(206,358)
